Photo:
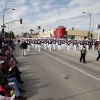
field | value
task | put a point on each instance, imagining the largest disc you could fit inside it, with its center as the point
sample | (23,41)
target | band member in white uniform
(93,45)
(50,45)
(68,45)
(28,46)
(74,45)
(39,45)
(59,45)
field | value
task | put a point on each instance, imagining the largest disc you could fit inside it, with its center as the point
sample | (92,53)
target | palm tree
(38,28)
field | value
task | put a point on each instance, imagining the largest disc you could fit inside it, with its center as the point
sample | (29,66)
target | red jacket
(7,93)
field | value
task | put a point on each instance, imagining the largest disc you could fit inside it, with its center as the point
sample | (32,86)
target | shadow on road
(32,84)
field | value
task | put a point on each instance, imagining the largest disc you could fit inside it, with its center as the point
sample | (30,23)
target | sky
(50,14)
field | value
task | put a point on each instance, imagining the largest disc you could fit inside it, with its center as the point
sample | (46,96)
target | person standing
(68,45)
(39,45)
(24,47)
(50,45)
(28,45)
(98,54)
(83,53)
(59,45)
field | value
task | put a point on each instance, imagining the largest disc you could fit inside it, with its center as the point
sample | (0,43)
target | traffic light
(20,20)
(43,30)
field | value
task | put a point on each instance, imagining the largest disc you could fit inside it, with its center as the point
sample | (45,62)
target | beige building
(82,34)
(47,33)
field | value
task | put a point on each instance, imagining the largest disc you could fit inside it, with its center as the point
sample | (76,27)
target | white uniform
(59,45)
(50,45)
(74,46)
(28,47)
(93,45)
(68,46)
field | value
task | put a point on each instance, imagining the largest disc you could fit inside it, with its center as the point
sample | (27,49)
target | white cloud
(45,12)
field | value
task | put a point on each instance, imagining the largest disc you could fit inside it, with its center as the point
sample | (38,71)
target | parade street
(58,75)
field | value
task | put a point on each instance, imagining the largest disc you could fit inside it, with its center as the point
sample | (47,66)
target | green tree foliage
(38,28)
(25,34)
(30,36)
(11,35)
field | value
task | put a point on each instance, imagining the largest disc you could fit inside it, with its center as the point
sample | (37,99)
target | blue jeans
(14,80)
(14,85)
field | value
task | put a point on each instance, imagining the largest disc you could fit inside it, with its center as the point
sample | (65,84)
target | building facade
(74,34)
(81,34)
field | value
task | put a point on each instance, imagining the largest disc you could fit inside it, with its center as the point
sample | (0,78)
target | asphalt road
(59,75)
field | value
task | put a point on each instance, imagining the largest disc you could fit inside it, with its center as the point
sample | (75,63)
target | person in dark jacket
(24,47)
(98,54)
(83,54)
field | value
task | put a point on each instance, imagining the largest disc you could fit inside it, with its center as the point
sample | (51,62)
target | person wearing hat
(98,54)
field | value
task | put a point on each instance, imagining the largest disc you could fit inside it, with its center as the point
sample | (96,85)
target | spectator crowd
(10,75)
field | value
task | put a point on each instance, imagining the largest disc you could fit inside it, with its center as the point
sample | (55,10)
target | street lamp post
(8,27)
(93,24)
(3,17)
(90,22)
(4,12)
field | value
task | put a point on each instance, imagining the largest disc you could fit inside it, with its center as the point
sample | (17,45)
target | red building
(60,32)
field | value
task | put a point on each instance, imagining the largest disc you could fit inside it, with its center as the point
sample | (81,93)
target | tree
(11,35)
(25,34)
(30,36)
(38,28)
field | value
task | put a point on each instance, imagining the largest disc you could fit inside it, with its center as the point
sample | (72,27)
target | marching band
(59,44)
